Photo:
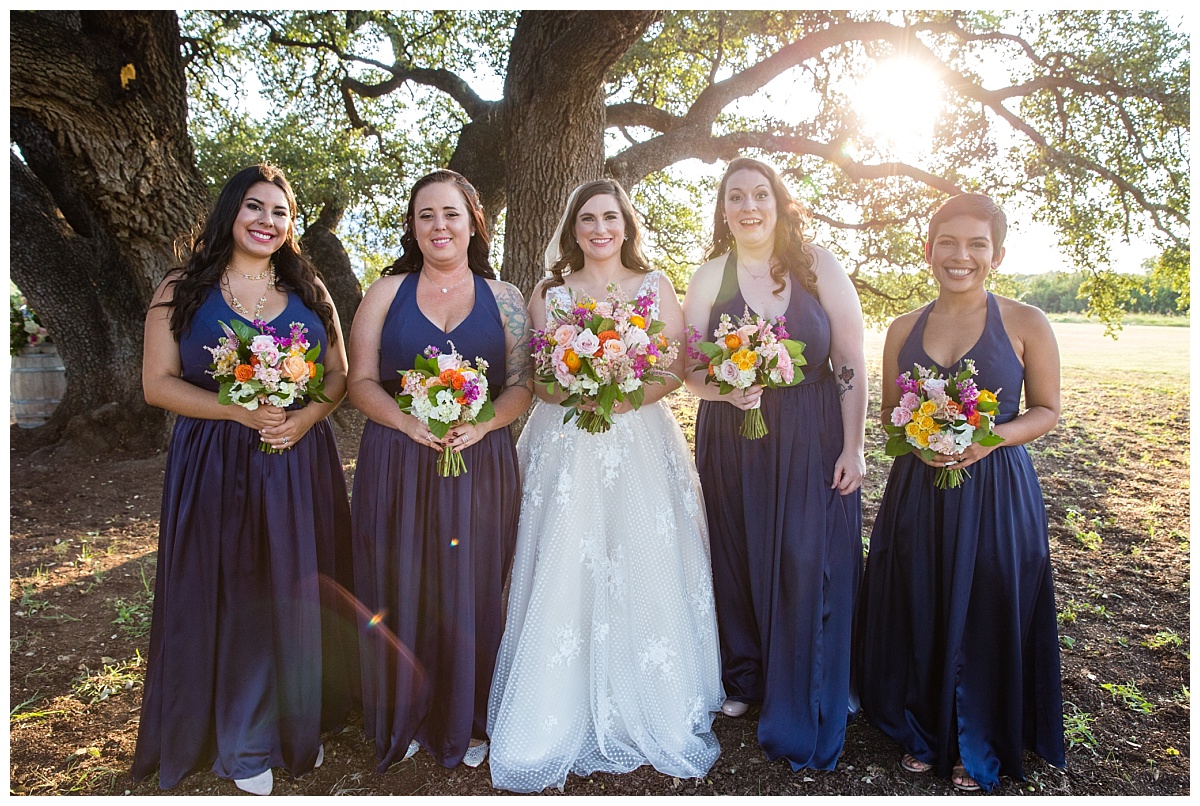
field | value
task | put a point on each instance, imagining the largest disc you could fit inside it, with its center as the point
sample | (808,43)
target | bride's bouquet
(750,350)
(941,415)
(255,367)
(602,352)
(444,390)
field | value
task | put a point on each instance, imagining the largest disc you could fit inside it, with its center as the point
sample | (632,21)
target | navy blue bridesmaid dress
(249,660)
(786,549)
(956,644)
(430,553)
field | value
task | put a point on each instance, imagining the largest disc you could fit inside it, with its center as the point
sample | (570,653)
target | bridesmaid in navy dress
(431,554)
(784,511)
(247,665)
(956,644)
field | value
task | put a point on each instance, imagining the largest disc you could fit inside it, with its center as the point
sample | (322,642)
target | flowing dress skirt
(609,659)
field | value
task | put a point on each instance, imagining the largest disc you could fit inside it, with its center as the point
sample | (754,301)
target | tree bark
(325,250)
(105,190)
(554,102)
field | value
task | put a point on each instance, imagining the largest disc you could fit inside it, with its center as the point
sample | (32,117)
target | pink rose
(450,361)
(910,401)
(729,372)
(564,335)
(586,343)
(614,348)
(901,416)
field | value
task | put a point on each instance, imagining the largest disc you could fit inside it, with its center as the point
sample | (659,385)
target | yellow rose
(745,359)
(925,423)
(928,407)
(986,397)
(923,439)
(637,320)
(912,429)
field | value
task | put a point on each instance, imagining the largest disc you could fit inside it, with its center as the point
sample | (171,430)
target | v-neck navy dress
(430,553)
(248,660)
(786,549)
(956,640)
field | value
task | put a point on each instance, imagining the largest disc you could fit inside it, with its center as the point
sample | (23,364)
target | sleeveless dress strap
(729,283)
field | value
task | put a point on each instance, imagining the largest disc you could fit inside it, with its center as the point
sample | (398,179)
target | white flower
(586,342)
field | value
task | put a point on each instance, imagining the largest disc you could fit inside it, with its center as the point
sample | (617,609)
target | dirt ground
(1116,478)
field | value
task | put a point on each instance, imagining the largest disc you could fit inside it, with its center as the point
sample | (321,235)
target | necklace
(236,304)
(448,289)
(263,276)
(754,276)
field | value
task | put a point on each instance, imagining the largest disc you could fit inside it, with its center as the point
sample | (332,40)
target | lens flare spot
(375,620)
(453,542)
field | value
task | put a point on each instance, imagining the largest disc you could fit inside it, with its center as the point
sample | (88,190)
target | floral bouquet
(602,352)
(750,350)
(942,415)
(255,367)
(24,327)
(443,390)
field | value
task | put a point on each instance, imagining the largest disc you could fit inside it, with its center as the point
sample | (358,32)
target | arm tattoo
(844,378)
(519,369)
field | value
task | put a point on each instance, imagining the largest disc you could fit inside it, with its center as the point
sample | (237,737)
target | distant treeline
(1058,292)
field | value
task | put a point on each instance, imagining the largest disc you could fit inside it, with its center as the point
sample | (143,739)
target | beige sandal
(910,763)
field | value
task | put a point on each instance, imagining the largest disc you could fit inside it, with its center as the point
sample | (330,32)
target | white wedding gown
(609,658)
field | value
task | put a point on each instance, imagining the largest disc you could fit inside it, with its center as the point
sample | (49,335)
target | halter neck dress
(431,553)
(787,549)
(249,660)
(956,643)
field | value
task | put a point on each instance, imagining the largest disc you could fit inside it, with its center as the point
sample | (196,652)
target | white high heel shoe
(734,708)
(260,784)
(475,755)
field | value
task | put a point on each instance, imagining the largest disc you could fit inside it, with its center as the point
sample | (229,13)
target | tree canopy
(124,122)
(1077,119)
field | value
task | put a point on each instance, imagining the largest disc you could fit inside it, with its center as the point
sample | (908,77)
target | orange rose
(244,372)
(447,377)
(607,335)
(974,420)
(458,381)
(733,341)
(572,360)
(312,369)
(295,367)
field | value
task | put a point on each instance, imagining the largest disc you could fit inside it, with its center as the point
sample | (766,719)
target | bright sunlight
(899,100)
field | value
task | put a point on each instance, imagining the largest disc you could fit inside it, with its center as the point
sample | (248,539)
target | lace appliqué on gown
(609,659)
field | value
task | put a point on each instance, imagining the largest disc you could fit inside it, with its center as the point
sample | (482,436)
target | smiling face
(961,254)
(442,224)
(263,222)
(750,208)
(600,227)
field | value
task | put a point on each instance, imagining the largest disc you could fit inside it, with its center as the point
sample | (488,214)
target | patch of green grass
(133,616)
(1164,639)
(1067,614)
(111,679)
(17,715)
(1083,529)
(1077,728)
(1129,695)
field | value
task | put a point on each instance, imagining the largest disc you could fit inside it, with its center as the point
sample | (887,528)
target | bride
(609,658)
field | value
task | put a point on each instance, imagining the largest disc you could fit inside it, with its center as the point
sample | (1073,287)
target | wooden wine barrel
(38,382)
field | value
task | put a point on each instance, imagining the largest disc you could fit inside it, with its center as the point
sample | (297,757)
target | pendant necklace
(448,289)
(754,276)
(262,301)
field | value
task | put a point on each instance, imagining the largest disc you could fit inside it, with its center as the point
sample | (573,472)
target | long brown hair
(572,254)
(411,258)
(792,219)
(212,249)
